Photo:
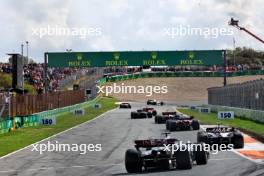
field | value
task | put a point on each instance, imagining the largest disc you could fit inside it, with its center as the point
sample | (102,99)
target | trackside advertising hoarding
(134,58)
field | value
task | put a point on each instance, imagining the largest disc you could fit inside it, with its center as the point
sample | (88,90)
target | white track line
(89,121)
(220,159)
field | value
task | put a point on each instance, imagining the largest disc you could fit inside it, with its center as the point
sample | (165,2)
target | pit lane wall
(255,115)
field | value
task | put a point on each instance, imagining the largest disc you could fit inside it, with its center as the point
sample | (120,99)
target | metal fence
(3,104)
(2,99)
(248,95)
(70,79)
(182,74)
(22,105)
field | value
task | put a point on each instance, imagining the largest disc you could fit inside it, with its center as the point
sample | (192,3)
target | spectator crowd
(33,74)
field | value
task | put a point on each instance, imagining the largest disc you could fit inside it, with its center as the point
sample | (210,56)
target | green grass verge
(211,119)
(20,138)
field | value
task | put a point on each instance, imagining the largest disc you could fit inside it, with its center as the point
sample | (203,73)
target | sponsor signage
(97,106)
(192,107)
(205,110)
(79,112)
(226,115)
(134,58)
(48,121)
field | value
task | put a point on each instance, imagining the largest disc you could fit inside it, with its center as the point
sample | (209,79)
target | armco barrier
(6,125)
(60,111)
(250,114)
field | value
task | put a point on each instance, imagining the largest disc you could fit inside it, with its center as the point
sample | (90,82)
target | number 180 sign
(226,115)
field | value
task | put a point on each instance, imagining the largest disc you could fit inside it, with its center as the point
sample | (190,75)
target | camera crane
(234,23)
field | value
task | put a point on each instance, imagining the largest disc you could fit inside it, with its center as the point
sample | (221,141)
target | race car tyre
(202,137)
(201,156)
(174,126)
(133,115)
(133,161)
(195,125)
(161,103)
(183,159)
(168,124)
(159,119)
(238,140)
(149,114)
(154,113)
(156,119)
(143,115)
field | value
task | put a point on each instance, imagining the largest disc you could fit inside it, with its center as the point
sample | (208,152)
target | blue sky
(126,24)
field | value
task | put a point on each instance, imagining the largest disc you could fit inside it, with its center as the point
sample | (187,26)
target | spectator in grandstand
(33,74)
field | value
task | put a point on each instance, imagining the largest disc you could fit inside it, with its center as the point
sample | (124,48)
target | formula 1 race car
(158,153)
(182,122)
(125,106)
(151,110)
(164,116)
(143,113)
(155,102)
(221,135)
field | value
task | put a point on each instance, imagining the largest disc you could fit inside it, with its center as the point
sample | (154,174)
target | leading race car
(182,122)
(155,102)
(152,153)
(221,135)
(125,106)
(146,112)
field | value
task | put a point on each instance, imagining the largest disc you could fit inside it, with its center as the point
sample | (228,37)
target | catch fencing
(183,74)
(249,95)
(70,79)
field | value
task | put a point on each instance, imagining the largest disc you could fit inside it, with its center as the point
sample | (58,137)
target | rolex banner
(135,58)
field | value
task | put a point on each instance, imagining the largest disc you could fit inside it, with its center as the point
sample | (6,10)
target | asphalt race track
(116,132)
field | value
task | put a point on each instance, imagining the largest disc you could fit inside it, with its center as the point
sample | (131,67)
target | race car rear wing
(169,113)
(148,109)
(220,129)
(154,143)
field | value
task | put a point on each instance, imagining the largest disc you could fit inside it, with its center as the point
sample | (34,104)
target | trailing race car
(152,153)
(165,116)
(125,106)
(143,113)
(155,102)
(151,110)
(221,135)
(182,122)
